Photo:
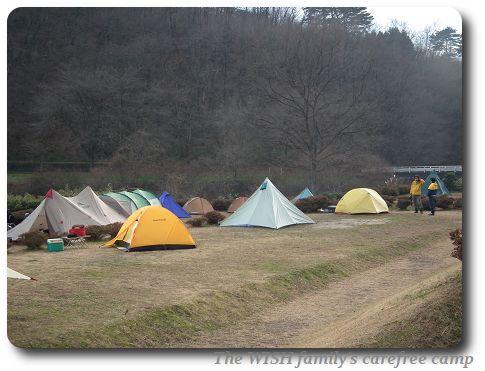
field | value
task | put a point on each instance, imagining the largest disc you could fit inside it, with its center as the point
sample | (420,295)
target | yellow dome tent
(361,201)
(152,228)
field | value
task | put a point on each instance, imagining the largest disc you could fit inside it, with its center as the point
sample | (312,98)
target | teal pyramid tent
(267,207)
(442,190)
(303,194)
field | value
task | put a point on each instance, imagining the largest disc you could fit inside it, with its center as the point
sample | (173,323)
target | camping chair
(75,242)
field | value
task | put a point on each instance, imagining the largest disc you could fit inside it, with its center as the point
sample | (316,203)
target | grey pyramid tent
(267,207)
(303,194)
(58,214)
(442,190)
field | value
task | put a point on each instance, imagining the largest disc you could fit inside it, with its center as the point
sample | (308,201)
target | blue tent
(170,204)
(303,194)
(442,190)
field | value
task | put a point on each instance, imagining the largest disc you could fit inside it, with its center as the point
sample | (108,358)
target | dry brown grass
(82,290)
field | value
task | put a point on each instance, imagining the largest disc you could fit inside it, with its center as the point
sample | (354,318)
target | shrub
(456,236)
(403,203)
(181,201)
(197,222)
(95,232)
(221,204)
(389,200)
(312,204)
(425,203)
(112,229)
(214,217)
(444,201)
(388,191)
(403,189)
(457,202)
(34,240)
(25,202)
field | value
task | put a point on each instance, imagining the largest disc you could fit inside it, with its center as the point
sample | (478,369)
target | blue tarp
(170,204)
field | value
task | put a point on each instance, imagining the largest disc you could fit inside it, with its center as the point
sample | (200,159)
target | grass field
(241,284)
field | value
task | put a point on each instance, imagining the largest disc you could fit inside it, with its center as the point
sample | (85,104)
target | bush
(181,201)
(197,222)
(25,202)
(389,200)
(98,232)
(214,217)
(444,202)
(403,203)
(425,203)
(388,191)
(34,240)
(312,204)
(403,189)
(456,236)
(221,204)
(457,202)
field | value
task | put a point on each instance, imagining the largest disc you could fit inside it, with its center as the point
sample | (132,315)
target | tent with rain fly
(442,190)
(303,194)
(58,214)
(152,228)
(170,204)
(361,201)
(198,205)
(119,202)
(236,204)
(267,207)
(136,198)
(150,197)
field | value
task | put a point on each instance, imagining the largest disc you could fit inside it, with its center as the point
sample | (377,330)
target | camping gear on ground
(303,194)
(267,207)
(55,245)
(361,201)
(78,230)
(57,213)
(170,204)
(236,204)
(150,197)
(198,205)
(442,189)
(152,228)
(14,274)
(328,209)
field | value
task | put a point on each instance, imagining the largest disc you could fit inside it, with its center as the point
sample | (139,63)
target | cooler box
(55,244)
(78,231)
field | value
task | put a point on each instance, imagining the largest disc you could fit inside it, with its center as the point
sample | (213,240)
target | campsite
(246,177)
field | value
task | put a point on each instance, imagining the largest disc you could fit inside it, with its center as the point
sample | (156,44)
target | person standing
(432,192)
(415,193)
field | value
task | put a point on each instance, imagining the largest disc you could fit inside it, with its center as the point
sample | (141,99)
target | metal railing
(426,169)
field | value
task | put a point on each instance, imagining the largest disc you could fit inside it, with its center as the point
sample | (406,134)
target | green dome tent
(442,190)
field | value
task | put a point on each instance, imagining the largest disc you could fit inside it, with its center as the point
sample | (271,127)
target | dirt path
(342,314)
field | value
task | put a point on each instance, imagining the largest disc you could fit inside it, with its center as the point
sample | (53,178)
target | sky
(417,18)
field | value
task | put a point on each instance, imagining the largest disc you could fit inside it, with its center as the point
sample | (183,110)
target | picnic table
(75,242)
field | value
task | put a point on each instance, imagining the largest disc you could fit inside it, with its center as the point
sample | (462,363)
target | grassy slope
(435,323)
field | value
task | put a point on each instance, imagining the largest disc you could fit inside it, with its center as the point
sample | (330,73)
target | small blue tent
(303,194)
(170,204)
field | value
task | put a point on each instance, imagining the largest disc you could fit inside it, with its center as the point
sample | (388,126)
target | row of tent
(58,214)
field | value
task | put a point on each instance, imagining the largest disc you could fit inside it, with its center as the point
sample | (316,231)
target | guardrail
(426,169)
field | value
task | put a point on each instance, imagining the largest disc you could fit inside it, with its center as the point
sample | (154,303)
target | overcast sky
(417,18)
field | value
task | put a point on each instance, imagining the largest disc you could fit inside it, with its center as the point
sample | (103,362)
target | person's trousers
(432,203)
(418,205)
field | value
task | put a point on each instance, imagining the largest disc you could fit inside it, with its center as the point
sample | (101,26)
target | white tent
(58,214)
(14,274)
(267,207)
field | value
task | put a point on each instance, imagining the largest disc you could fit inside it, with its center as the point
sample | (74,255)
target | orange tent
(236,204)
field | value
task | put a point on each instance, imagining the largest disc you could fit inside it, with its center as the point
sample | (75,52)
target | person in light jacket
(432,192)
(415,193)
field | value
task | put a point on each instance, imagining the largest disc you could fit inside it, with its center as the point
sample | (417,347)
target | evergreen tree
(447,42)
(352,18)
